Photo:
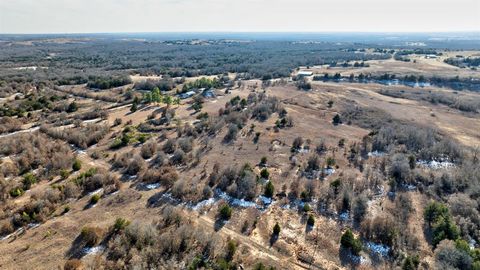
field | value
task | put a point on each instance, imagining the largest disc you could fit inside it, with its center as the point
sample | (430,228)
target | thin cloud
(65,16)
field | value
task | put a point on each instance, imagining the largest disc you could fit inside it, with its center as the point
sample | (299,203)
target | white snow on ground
(380,249)
(33,225)
(433,164)
(295,204)
(92,120)
(410,187)
(95,192)
(376,154)
(203,204)
(357,259)
(20,230)
(344,216)
(152,186)
(93,250)
(78,150)
(265,200)
(237,202)
(472,243)
(329,171)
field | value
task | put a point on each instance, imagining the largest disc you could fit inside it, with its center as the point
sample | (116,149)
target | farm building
(303,73)
(186,95)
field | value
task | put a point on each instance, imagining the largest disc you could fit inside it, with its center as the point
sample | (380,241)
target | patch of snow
(237,202)
(152,186)
(410,187)
(91,120)
(203,204)
(376,154)
(78,150)
(433,164)
(265,200)
(18,231)
(344,216)
(95,192)
(329,171)
(93,250)
(357,259)
(295,204)
(132,177)
(472,243)
(33,225)
(380,249)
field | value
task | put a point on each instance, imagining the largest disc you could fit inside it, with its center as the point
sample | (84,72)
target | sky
(102,16)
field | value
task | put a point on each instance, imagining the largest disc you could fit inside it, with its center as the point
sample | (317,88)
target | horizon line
(246,32)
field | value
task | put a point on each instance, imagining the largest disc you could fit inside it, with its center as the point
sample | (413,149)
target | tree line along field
(106,165)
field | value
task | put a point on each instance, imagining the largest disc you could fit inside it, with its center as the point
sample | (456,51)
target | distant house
(304,73)
(431,56)
(187,94)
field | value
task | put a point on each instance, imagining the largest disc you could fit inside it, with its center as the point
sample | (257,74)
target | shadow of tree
(273,239)
(218,225)
(76,249)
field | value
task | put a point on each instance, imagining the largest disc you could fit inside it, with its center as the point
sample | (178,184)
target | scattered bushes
(9,124)
(231,133)
(165,175)
(82,137)
(32,151)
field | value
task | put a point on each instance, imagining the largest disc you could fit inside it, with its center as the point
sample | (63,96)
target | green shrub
(94,199)
(306,207)
(120,224)
(16,192)
(264,173)
(77,165)
(263,161)
(349,242)
(441,223)
(269,189)
(64,173)
(225,212)
(231,248)
(330,161)
(28,180)
(310,220)
(410,263)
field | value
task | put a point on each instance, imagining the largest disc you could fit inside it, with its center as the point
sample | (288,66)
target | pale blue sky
(88,16)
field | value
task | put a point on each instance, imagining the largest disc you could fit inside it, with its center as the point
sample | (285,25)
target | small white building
(304,73)
(187,94)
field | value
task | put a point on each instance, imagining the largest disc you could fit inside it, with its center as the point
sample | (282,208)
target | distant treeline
(103,63)
(455,83)
(473,62)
